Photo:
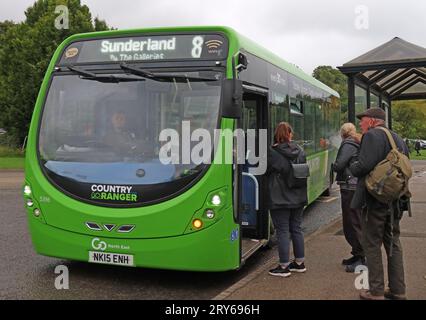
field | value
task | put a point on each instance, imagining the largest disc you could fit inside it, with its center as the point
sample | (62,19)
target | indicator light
(197,223)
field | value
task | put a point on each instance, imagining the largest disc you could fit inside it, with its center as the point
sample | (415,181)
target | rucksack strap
(409,208)
(390,138)
(392,218)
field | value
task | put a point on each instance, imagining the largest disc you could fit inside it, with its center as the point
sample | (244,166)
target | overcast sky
(307,33)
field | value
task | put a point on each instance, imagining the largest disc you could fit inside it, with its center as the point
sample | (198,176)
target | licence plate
(111,258)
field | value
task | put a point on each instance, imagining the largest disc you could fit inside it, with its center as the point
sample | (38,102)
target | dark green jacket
(374,148)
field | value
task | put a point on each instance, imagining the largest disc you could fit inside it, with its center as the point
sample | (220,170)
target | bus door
(253,214)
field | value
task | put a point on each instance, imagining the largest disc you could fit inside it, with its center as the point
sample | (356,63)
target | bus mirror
(232,98)
(242,62)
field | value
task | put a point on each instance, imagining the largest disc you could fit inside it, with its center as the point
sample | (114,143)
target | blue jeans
(288,223)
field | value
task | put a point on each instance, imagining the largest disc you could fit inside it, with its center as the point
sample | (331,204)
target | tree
(25,52)
(15,83)
(4,26)
(335,80)
(408,120)
(408,117)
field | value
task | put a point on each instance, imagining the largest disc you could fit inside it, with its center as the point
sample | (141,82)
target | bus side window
(278,112)
(296,106)
(249,121)
(320,126)
(309,116)
(297,120)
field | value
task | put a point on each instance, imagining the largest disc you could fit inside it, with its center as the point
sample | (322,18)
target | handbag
(299,175)
(300,170)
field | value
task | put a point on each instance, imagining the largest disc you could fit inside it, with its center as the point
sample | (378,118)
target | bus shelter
(393,71)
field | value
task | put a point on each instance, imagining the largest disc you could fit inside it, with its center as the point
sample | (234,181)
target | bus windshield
(102,132)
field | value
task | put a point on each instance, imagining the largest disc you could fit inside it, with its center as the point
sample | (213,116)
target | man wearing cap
(377,225)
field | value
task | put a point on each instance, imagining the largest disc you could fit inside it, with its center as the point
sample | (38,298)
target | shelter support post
(351,98)
(368,93)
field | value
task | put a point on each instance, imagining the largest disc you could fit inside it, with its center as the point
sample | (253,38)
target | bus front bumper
(213,249)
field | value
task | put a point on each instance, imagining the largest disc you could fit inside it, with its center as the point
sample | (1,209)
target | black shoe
(351,260)
(295,267)
(389,295)
(280,272)
(366,295)
(352,267)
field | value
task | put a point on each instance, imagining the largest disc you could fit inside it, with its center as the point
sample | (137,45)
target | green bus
(93,198)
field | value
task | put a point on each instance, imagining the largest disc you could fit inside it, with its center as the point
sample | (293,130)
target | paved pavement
(11,179)
(326,279)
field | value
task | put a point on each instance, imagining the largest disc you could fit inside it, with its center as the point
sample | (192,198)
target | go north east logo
(113,193)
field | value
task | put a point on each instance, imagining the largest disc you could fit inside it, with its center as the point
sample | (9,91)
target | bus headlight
(27,190)
(30,203)
(216,200)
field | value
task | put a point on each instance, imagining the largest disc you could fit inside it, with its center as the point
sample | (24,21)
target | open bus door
(253,213)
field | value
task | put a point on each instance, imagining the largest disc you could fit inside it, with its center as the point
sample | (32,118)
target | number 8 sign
(197,42)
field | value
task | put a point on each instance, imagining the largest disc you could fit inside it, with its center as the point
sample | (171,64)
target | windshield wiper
(82,72)
(162,76)
(87,75)
(136,71)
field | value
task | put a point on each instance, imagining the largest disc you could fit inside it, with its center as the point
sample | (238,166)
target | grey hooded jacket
(347,153)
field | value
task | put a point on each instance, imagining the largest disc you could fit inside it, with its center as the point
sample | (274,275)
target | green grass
(12,162)
(11,158)
(10,152)
(414,156)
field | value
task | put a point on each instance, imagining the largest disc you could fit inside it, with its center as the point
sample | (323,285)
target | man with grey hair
(378,227)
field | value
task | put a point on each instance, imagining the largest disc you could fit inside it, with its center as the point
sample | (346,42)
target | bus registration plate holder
(111,258)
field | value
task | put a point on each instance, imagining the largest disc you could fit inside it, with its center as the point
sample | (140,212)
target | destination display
(147,48)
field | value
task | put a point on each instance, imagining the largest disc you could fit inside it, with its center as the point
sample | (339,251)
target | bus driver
(119,137)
